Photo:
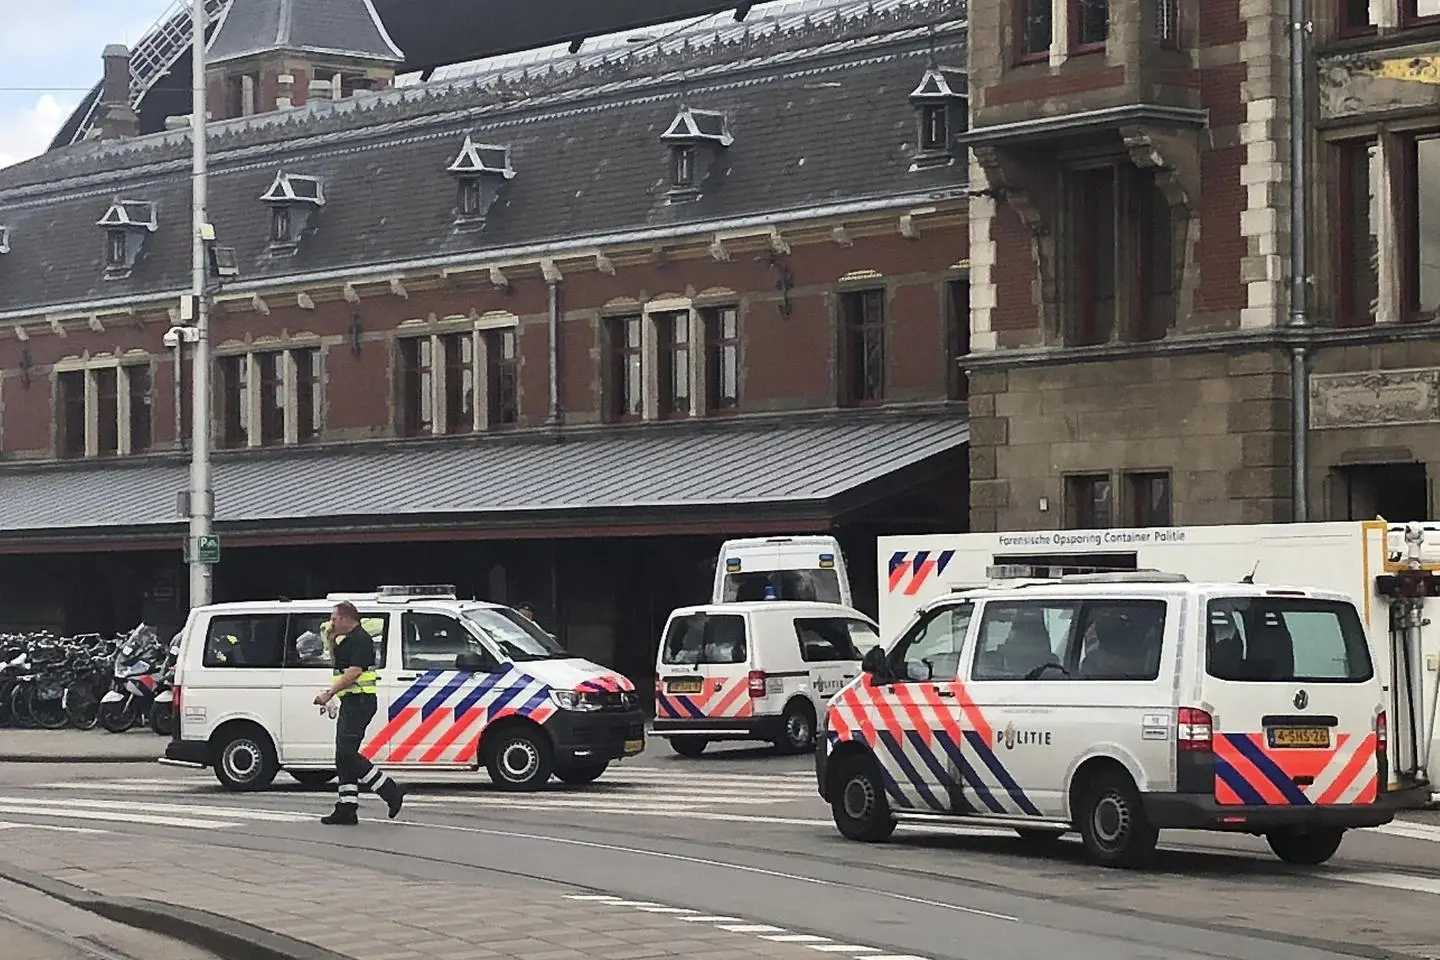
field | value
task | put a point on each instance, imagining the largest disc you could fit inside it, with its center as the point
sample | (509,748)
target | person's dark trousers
(353,767)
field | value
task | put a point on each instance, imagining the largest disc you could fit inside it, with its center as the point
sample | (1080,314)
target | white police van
(754,671)
(462,684)
(1117,705)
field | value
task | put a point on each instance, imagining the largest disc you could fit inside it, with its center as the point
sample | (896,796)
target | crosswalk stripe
(113,816)
(221,810)
(55,827)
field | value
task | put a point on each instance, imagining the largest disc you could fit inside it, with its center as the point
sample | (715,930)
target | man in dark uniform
(355,686)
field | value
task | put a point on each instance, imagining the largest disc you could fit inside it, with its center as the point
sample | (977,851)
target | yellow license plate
(634,746)
(686,686)
(1299,736)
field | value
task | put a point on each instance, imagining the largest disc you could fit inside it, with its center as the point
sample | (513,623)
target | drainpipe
(1299,261)
(179,443)
(554,338)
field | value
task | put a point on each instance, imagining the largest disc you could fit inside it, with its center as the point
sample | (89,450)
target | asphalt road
(741,832)
(35,927)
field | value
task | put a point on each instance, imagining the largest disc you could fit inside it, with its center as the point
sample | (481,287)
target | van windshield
(816,585)
(517,636)
(1286,640)
(704,638)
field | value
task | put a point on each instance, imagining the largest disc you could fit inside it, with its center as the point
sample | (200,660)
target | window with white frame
(270,397)
(104,409)
(458,380)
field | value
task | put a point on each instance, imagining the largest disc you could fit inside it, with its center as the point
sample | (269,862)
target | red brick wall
(1050,87)
(787,362)
(1220,22)
(1014,272)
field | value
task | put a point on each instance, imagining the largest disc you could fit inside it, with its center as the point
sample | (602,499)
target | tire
(20,706)
(162,717)
(245,761)
(1308,849)
(519,758)
(581,773)
(690,747)
(48,714)
(119,717)
(798,726)
(1040,838)
(1112,822)
(82,705)
(312,778)
(858,802)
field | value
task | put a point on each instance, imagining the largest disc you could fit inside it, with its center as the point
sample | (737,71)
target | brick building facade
(1154,386)
(574,326)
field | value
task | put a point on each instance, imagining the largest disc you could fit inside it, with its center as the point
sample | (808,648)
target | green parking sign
(207,549)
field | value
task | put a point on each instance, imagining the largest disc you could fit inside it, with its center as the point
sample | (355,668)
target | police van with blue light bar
(463,684)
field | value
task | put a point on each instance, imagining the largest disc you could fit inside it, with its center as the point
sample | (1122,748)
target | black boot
(394,796)
(344,815)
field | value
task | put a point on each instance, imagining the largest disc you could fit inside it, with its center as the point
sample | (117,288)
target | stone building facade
(1154,385)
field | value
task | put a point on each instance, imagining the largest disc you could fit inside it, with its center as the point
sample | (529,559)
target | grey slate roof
(820,116)
(697,468)
(348,28)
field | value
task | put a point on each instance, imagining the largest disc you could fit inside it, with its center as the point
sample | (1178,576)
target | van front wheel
(1305,849)
(519,759)
(858,802)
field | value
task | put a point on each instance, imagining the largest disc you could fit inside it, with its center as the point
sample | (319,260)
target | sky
(50,57)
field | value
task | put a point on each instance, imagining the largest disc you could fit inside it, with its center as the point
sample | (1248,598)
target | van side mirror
(875,663)
(471,662)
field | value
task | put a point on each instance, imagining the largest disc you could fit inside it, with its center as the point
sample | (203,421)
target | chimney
(320,90)
(116,118)
(285,99)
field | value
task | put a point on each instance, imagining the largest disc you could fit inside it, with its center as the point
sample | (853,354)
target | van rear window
(1286,640)
(822,586)
(704,638)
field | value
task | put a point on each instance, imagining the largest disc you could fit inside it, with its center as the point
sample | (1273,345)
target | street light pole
(202,500)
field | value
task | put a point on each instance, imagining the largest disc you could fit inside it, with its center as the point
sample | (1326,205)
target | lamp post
(201,545)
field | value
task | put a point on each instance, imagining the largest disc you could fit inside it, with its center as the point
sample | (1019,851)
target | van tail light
(756,682)
(1382,731)
(175,713)
(1194,730)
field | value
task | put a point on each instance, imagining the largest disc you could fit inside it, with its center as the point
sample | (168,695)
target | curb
(72,758)
(226,938)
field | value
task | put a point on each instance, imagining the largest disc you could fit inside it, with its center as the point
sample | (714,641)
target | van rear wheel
(1308,848)
(689,746)
(245,760)
(1112,822)
(798,726)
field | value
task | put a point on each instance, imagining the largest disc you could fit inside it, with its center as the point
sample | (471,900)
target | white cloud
(44,71)
(29,130)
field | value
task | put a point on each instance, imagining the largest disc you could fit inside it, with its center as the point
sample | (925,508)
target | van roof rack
(440,590)
(1127,576)
(1035,574)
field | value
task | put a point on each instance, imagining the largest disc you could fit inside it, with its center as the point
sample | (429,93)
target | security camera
(172,338)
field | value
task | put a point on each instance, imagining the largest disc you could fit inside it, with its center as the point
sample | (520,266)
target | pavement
(34,926)
(79,746)
(731,855)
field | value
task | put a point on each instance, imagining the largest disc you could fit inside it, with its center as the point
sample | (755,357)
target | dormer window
(697,140)
(115,248)
(941,111)
(682,166)
(293,201)
(480,170)
(127,224)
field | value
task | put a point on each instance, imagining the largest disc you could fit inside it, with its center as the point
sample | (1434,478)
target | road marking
(219,809)
(711,919)
(842,948)
(749,928)
(114,816)
(8,825)
(1391,881)
(796,938)
(1409,830)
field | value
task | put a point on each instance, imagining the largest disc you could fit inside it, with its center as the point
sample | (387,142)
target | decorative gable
(480,170)
(127,224)
(697,139)
(942,110)
(294,201)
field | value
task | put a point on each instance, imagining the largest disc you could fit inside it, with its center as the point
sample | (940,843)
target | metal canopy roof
(656,471)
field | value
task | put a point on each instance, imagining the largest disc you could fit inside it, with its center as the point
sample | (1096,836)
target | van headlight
(574,700)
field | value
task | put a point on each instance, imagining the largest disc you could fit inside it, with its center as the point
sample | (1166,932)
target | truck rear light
(1382,731)
(1194,730)
(756,681)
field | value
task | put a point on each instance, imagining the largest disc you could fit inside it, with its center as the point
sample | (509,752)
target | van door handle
(849,676)
(947,694)
(405,676)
